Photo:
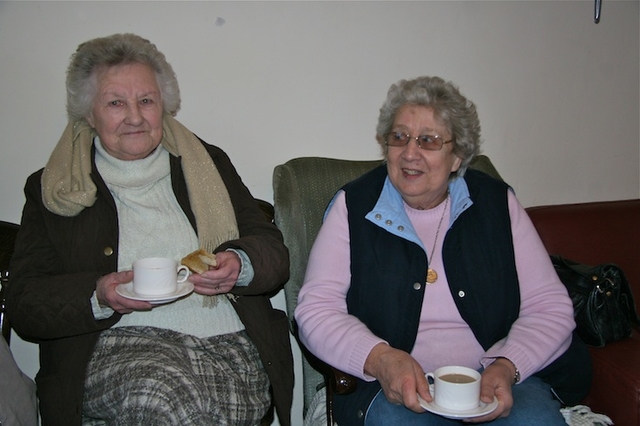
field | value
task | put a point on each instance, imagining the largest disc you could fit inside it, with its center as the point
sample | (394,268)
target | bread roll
(199,261)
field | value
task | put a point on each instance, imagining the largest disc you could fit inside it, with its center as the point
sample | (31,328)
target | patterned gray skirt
(152,376)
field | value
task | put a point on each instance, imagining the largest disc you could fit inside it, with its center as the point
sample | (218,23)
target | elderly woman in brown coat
(128,181)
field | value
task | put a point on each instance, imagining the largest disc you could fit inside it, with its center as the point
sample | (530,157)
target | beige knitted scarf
(67,187)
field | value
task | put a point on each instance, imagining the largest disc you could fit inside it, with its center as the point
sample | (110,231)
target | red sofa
(594,233)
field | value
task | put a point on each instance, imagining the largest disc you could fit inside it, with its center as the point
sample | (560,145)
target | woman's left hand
(220,279)
(496,381)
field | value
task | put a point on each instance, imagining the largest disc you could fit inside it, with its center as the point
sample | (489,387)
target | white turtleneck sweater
(152,224)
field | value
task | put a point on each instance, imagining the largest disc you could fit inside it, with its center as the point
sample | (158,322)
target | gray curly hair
(110,51)
(450,108)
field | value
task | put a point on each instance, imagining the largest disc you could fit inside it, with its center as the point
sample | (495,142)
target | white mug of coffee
(156,276)
(455,388)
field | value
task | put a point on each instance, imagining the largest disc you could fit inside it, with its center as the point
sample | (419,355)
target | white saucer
(126,290)
(482,409)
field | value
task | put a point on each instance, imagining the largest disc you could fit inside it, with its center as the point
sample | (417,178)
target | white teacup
(455,388)
(156,276)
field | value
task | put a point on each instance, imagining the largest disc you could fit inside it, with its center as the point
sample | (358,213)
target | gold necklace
(432,275)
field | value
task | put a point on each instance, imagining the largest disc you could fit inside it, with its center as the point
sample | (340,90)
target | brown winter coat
(58,260)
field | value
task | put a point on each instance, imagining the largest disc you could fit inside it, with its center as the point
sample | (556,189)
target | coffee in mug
(457,378)
(455,388)
(157,276)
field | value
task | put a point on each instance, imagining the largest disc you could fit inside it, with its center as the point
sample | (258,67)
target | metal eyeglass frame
(417,139)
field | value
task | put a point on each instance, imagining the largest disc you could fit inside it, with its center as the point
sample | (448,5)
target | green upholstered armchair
(303,187)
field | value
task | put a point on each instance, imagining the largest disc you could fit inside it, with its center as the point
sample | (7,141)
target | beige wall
(558,95)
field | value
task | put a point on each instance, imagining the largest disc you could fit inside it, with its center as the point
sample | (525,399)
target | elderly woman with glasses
(128,181)
(424,263)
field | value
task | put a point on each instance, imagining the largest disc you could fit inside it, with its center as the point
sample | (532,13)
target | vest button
(108,251)
(360,414)
(461,293)
(417,286)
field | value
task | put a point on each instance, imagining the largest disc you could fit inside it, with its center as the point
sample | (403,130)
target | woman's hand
(220,279)
(400,375)
(107,295)
(496,381)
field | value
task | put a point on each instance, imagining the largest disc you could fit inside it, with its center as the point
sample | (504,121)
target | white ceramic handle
(186,273)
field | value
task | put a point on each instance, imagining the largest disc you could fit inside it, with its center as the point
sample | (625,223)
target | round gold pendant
(432,276)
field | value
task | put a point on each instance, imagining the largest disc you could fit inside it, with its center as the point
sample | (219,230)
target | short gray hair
(113,50)
(450,107)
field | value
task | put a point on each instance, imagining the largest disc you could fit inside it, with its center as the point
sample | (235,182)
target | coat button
(388,222)
(417,286)
(378,216)
(400,228)
(461,293)
(360,414)
(108,251)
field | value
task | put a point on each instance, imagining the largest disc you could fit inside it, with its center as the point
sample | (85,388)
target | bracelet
(516,377)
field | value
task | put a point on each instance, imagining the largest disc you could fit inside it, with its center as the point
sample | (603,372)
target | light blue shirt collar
(389,212)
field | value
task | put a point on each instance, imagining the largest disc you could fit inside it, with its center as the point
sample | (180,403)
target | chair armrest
(338,383)
(341,382)
(8,233)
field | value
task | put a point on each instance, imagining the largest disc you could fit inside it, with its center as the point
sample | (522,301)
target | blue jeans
(533,405)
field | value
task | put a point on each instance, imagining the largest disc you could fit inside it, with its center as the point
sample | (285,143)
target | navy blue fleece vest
(388,273)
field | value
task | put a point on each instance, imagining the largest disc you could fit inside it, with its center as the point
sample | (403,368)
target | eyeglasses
(428,142)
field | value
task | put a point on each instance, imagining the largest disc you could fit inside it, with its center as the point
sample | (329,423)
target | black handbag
(603,304)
